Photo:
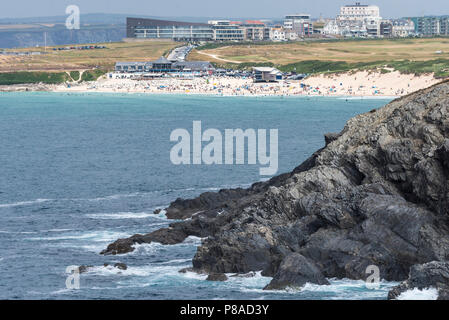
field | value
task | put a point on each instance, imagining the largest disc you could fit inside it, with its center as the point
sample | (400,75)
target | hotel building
(215,30)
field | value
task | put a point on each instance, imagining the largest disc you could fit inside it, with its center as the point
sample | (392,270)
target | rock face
(433,274)
(295,271)
(377,194)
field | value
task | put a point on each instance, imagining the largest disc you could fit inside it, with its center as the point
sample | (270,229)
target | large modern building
(431,26)
(357,20)
(358,12)
(163,65)
(216,30)
(163,29)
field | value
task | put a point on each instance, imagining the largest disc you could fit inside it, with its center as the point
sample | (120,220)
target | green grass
(11,78)
(75,75)
(439,66)
(92,75)
(32,77)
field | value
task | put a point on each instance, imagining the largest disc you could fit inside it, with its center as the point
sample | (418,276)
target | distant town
(354,21)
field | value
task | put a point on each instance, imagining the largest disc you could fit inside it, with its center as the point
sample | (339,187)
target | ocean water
(78,171)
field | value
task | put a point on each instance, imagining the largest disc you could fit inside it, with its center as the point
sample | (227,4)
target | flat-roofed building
(277,33)
(164,29)
(163,65)
(267,74)
(301,24)
(226,30)
(195,66)
(431,26)
(356,20)
(402,28)
(130,66)
(358,11)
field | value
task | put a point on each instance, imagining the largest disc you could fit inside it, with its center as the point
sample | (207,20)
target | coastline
(356,84)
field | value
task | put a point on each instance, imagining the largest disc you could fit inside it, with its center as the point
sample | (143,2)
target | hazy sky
(214,8)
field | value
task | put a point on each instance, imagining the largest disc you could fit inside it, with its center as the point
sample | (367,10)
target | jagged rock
(434,274)
(377,194)
(217,277)
(84,269)
(120,266)
(330,137)
(244,275)
(295,271)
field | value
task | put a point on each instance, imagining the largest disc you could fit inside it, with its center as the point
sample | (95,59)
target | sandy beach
(357,84)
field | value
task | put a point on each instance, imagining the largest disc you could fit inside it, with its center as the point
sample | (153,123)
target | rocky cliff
(377,194)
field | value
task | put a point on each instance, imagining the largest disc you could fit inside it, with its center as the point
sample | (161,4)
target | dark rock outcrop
(377,194)
(295,271)
(429,275)
(84,269)
(121,266)
(217,277)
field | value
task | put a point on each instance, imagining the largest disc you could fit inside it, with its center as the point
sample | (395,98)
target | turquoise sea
(78,171)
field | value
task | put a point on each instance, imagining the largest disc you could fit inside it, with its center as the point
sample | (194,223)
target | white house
(266,74)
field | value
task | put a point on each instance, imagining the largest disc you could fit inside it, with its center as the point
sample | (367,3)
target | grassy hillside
(341,50)
(68,60)
(405,55)
(32,77)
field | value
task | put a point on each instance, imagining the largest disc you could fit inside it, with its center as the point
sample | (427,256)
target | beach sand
(357,84)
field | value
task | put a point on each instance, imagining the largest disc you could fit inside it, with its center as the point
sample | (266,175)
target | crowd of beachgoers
(357,84)
(362,83)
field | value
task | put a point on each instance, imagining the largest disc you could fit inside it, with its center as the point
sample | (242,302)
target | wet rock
(434,274)
(120,266)
(84,269)
(217,277)
(295,271)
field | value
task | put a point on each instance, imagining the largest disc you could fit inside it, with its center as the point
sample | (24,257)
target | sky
(214,8)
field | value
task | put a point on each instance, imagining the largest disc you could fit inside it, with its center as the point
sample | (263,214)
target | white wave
(340,289)
(18,232)
(58,230)
(368,98)
(63,291)
(136,271)
(150,248)
(416,294)
(113,197)
(23,203)
(174,261)
(97,236)
(120,215)
(249,284)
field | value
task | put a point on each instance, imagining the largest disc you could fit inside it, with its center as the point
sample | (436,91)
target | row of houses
(354,20)
(361,20)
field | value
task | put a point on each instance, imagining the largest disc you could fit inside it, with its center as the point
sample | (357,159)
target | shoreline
(349,85)
(211,95)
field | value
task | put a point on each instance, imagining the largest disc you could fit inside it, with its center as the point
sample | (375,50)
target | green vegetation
(92,75)
(67,60)
(439,66)
(410,55)
(32,77)
(75,75)
(11,78)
